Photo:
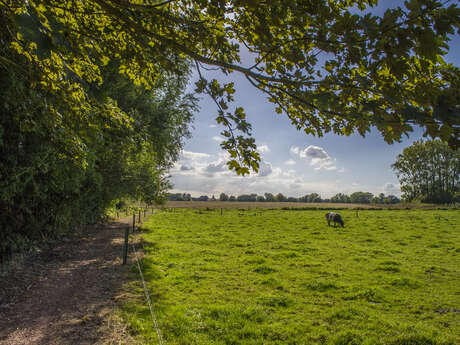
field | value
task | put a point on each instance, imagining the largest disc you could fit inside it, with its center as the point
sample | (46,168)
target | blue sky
(293,163)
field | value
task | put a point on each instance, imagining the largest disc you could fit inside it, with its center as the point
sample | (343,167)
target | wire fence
(144,285)
(147,296)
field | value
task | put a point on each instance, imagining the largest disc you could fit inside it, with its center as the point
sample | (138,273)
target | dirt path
(65,295)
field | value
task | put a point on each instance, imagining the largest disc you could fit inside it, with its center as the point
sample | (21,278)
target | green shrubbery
(69,150)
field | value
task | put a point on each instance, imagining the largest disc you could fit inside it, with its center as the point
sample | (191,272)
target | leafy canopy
(429,171)
(327,65)
(70,148)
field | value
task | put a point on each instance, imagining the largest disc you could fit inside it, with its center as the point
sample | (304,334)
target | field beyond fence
(285,277)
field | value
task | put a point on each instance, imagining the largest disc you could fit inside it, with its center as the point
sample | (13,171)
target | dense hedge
(63,162)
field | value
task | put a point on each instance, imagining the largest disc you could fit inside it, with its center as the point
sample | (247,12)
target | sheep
(335,217)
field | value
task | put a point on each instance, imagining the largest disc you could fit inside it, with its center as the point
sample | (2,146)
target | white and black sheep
(334,217)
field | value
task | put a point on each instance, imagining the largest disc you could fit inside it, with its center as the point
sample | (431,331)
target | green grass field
(285,277)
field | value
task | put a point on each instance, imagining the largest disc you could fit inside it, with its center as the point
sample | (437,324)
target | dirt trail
(65,295)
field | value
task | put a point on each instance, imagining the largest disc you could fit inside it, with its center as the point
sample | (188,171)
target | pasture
(285,277)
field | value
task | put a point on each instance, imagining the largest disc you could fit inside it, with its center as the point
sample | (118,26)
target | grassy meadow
(285,277)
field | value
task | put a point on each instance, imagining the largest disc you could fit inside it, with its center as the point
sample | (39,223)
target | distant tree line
(355,198)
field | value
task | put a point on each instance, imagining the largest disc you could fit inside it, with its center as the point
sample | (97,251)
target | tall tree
(328,65)
(429,171)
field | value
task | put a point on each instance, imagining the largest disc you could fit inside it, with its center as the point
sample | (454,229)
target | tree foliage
(340,198)
(328,65)
(70,148)
(429,171)
(361,197)
(313,197)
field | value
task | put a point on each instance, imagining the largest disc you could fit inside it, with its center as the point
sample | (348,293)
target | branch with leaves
(327,65)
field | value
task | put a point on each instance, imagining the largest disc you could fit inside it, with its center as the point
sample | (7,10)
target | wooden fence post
(134,222)
(139,216)
(125,246)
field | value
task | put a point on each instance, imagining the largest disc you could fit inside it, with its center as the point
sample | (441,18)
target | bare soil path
(66,295)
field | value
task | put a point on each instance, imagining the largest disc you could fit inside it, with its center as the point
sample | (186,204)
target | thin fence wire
(147,295)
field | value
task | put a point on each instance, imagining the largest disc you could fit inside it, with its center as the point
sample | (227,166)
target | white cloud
(324,165)
(314,152)
(392,189)
(290,162)
(186,167)
(219,166)
(263,148)
(294,150)
(291,173)
(319,158)
(212,126)
(190,163)
(217,138)
(189,155)
(265,169)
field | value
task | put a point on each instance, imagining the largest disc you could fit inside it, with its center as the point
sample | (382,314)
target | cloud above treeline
(392,189)
(201,173)
(317,156)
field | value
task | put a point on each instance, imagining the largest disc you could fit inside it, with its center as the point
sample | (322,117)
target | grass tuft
(347,338)
(322,286)
(264,270)
(277,301)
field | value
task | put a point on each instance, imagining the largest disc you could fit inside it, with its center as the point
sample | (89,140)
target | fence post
(139,216)
(117,215)
(145,212)
(125,246)
(134,222)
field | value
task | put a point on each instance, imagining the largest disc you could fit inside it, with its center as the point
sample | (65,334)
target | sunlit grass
(285,277)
